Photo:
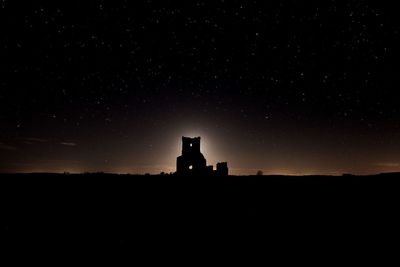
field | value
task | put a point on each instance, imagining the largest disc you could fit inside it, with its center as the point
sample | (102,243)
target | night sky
(286,87)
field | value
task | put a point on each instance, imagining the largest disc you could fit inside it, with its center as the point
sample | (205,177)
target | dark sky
(287,87)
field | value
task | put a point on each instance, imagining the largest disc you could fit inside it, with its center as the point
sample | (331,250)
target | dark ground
(332,216)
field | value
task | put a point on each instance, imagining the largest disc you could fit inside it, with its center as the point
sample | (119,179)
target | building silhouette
(193,162)
(222,169)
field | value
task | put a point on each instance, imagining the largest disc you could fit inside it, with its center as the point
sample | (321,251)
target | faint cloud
(7,147)
(388,164)
(68,144)
(33,140)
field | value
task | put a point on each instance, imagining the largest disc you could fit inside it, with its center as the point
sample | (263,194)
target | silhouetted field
(104,211)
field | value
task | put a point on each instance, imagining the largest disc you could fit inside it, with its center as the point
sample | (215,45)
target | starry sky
(286,87)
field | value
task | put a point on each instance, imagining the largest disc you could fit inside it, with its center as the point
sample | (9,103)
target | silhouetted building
(192,161)
(222,169)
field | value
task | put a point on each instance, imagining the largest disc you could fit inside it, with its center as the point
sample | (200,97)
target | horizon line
(173,173)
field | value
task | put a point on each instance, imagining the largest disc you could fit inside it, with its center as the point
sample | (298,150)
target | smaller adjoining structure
(192,161)
(222,169)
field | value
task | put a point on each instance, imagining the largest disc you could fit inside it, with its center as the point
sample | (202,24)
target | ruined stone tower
(192,161)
